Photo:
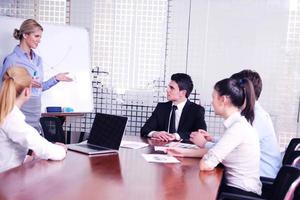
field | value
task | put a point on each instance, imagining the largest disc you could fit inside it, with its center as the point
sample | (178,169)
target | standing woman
(238,148)
(30,34)
(16,136)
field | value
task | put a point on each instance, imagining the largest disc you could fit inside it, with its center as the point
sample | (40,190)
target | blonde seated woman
(16,136)
(238,148)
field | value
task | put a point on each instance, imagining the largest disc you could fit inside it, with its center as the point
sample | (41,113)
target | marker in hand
(35,82)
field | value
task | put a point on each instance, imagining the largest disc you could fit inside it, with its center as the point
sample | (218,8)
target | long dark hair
(241,94)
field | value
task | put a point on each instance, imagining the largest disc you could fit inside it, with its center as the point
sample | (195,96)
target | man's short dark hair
(184,82)
(253,76)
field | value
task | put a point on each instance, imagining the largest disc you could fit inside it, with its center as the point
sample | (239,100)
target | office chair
(293,159)
(288,156)
(294,191)
(53,129)
(293,145)
(285,187)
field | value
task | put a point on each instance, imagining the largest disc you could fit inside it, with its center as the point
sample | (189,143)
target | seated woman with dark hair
(238,148)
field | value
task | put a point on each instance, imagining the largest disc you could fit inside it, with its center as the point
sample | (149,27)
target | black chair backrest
(53,129)
(284,179)
(291,159)
(296,162)
(291,147)
(297,192)
(293,192)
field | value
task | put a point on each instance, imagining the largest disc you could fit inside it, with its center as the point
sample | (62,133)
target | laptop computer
(105,136)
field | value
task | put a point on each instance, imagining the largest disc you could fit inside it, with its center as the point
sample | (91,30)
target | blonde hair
(28,26)
(15,80)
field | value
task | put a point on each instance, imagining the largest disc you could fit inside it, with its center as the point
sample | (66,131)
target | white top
(270,160)
(16,137)
(238,150)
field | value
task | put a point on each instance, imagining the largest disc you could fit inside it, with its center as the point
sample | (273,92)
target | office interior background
(136,45)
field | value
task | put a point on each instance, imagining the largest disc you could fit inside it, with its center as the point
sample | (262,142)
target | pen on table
(177,143)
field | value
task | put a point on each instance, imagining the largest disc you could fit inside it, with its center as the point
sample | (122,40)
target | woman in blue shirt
(30,34)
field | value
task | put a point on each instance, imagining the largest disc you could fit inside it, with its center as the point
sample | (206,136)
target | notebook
(105,136)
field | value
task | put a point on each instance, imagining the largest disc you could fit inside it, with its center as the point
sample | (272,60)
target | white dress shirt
(16,137)
(270,158)
(238,150)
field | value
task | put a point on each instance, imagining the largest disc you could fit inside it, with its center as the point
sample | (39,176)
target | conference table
(126,175)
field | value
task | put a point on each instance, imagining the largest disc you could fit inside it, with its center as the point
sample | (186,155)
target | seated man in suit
(177,118)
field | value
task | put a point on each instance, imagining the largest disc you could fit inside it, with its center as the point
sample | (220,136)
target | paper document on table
(160,158)
(133,144)
(182,145)
(160,148)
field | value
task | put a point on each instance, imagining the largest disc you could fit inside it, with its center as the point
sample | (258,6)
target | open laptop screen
(107,130)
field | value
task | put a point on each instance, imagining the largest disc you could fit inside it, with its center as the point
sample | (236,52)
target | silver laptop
(105,137)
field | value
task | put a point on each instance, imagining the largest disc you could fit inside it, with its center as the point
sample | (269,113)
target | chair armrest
(267,180)
(267,186)
(232,196)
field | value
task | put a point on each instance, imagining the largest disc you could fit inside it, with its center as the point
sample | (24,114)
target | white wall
(228,36)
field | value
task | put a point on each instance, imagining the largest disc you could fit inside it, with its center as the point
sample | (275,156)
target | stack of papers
(133,144)
(160,158)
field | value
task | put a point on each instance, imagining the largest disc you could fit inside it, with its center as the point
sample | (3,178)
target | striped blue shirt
(31,108)
(34,67)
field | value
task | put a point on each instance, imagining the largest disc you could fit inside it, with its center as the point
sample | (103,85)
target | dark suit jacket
(192,119)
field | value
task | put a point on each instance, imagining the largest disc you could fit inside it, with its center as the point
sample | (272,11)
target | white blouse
(270,157)
(238,150)
(16,137)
